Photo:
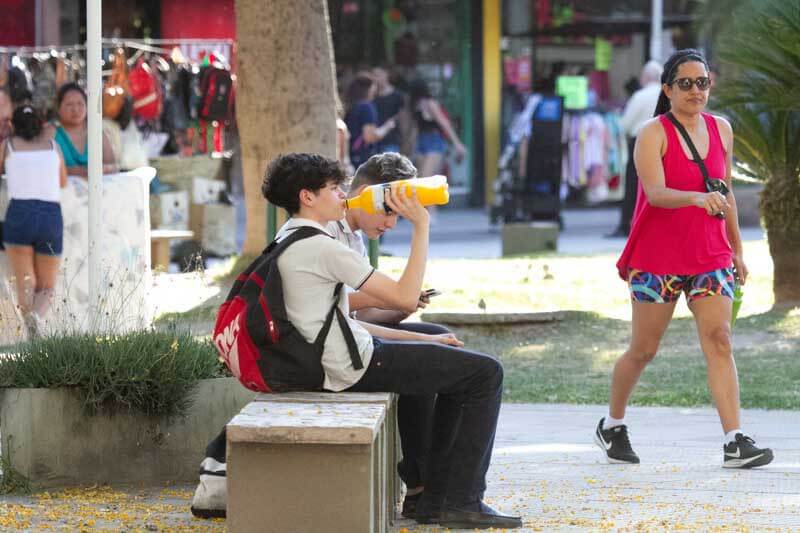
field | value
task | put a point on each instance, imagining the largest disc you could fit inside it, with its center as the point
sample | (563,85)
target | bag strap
(685,134)
(352,347)
(296,234)
(277,248)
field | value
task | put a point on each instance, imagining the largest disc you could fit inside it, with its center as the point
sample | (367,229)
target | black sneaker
(615,443)
(743,453)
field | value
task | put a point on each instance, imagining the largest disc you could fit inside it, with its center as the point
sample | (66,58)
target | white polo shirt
(352,239)
(310,270)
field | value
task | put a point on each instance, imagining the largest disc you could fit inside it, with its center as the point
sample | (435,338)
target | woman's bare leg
(649,322)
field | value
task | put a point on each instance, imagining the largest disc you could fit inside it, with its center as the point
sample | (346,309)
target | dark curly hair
(671,70)
(27,122)
(289,174)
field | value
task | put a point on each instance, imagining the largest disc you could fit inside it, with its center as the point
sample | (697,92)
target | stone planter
(50,440)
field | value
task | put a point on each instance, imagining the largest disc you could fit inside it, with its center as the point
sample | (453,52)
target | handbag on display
(146,91)
(115,89)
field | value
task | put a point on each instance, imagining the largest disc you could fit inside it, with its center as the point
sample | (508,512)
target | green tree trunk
(780,205)
(285,93)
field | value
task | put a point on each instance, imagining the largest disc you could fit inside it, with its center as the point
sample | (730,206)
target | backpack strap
(352,346)
(296,234)
(277,248)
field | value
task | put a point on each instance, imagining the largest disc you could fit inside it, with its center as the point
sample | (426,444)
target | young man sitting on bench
(468,384)
(414,412)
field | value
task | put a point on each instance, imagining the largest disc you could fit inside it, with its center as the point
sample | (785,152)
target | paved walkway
(545,468)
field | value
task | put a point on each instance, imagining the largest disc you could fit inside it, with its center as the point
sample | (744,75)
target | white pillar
(95,140)
(656,30)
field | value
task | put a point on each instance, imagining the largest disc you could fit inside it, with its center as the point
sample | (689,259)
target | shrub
(144,372)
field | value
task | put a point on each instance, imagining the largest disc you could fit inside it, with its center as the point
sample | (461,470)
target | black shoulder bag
(712,185)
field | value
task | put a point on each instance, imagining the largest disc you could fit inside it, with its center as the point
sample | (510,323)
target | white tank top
(33,174)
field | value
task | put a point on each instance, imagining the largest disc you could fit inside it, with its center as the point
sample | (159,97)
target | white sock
(610,422)
(731,435)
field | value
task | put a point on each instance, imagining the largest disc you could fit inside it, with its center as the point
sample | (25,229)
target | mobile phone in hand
(431,293)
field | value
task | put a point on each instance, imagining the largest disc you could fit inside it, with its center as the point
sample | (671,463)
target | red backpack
(255,338)
(146,91)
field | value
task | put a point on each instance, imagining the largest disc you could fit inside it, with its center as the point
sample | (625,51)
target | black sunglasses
(685,84)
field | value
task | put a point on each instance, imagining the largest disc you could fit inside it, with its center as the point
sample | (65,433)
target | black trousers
(631,189)
(414,422)
(415,418)
(468,387)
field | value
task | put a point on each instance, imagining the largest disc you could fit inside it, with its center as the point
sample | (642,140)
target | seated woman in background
(72,131)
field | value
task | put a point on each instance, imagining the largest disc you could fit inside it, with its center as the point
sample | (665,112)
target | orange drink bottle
(430,191)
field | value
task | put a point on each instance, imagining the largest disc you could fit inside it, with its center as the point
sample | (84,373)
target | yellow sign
(602,54)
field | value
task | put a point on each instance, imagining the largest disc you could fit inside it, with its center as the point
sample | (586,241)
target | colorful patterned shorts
(655,288)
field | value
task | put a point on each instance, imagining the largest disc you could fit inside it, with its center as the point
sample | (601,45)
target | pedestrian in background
(362,119)
(33,228)
(390,104)
(638,110)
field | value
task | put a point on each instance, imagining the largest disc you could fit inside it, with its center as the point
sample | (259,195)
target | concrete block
(305,467)
(528,238)
(300,488)
(50,439)
(307,423)
(391,453)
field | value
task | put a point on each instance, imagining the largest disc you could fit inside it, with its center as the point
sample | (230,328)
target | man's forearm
(358,300)
(375,315)
(392,334)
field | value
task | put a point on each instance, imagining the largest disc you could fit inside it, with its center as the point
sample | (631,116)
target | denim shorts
(666,288)
(431,142)
(34,223)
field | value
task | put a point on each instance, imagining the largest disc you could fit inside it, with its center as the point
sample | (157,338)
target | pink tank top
(686,240)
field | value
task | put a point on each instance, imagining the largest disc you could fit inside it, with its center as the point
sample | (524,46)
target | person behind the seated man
(414,412)
(469,384)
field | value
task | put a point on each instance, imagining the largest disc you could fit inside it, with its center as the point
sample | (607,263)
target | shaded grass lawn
(571,361)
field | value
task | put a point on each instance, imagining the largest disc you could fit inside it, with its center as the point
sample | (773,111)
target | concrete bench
(313,462)
(159,245)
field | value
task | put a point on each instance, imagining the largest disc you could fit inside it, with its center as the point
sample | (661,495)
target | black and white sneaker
(743,453)
(211,496)
(615,443)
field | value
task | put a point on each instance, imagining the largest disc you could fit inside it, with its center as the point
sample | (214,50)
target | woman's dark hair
(289,174)
(27,122)
(358,90)
(671,70)
(67,87)
(417,90)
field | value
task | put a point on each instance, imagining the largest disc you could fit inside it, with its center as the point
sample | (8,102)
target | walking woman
(362,120)
(684,239)
(432,127)
(33,229)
